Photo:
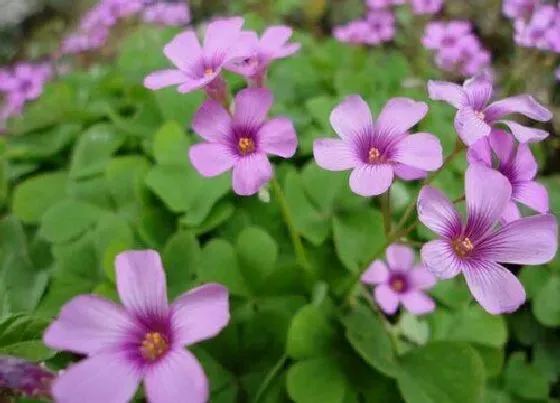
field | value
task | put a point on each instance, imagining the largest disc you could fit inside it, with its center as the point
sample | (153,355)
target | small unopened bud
(264,195)
(20,378)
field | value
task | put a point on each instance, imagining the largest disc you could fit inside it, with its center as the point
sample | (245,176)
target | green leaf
(523,379)
(219,214)
(22,336)
(316,380)
(94,150)
(545,304)
(176,106)
(112,236)
(453,293)
(441,372)
(181,257)
(125,176)
(310,334)
(367,335)
(171,145)
(257,252)
(67,220)
(320,109)
(533,279)
(357,236)
(37,194)
(42,144)
(492,358)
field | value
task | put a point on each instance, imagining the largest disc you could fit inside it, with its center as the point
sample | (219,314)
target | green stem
(386,209)
(274,371)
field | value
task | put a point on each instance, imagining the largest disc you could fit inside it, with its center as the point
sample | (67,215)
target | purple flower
(376,151)
(272,45)
(441,35)
(167,14)
(400,281)
(519,8)
(26,81)
(475,118)
(539,31)
(144,340)
(517,165)
(475,247)
(426,6)
(466,58)
(200,66)
(558,73)
(378,4)
(83,42)
(22,378)
(381,27)
(353,32)
(243,141)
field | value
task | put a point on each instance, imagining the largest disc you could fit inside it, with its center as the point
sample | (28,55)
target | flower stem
(273,373)
(386,209)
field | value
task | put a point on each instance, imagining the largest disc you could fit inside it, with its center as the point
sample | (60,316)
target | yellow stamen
(480,115)
(374,155)
(154,346)
(398,285)
(462,246)
(208,72)
(246,145)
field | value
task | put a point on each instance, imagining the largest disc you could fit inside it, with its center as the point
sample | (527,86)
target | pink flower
(84,42)
(376,151)
(22,378)
(466,58)
(558,73)
(25,81)
(518,165)
(539,31)
(381,27)
(144,340)
(241,142)
(377,4)
(354,32)
(475,118)
(441,35)
(200,66)
(272,46)
(400,281)
(167,14)
(426,6)
(475,247)
(519,8)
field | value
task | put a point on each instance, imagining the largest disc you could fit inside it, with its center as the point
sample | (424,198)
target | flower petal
(275,36)
(480,152)
(376,273)
(421,278)
(250,173)
(494,287)
(437,213)
(200,314)
(533,195)
(211,159)
(440,259)
(502,144)
(386,298)
(88,324)
(407,173)
(371,180)
(511,213)
(399,115)
(530,240)
(487,193)
(478,90)
(212,122)
(220,36)
(190,84)
(470,126)
(334,154)
(184,51)
(351,117)
(418,303)
(525,163)
(524,104)
(422,151)
(399,257)
(252,106)
(107,377)
(164,78)
(525,134)
(278,137)
(141,283)
(446,91)
(178,377)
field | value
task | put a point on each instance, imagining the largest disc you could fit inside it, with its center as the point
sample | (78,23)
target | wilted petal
(399,257)
(399,115)
(525,134)
(164,78)
(334,154)
(418,303)
(422,151)
(421,278)
(178,377)
(212,122)
(211,159)
(107,378)
(252,106)
(371,180)
(440,259)
(525,163)
(278,137)
(386,298)
(376,273)
(351,118)
(524,104)
(470,126)
(88,324)
(437,213)
(446,91)
(250,174)
(530,240)
(533,195)
(494,287)
(141,283)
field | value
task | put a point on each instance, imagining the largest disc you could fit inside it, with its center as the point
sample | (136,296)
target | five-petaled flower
(475,118)
(378,151)
(400,281)
(145,339)
(241,141)
(475,247)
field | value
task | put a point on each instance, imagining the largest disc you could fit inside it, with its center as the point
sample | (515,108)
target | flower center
(480,115)
(154,346)
(246,146)
(374,155)
(397,283)
(208,72)
(462,246)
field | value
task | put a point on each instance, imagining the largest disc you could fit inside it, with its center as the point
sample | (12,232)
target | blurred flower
(145,339)
(377,4)
(541,30)
(84,42)
(475,118)
(379,27)
(25,81)
(377,151)
(24,379)
(519,8)
(272,45)
(426,6)
(354,32)
(167,14)
(474,247)
(558,73)
(241,142)
(400,281)
(445,35)
(517,165)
